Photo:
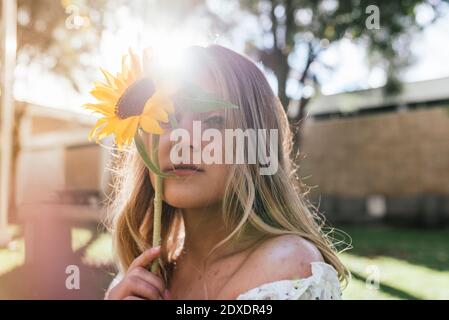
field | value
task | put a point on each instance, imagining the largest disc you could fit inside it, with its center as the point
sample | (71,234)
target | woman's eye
(214,122)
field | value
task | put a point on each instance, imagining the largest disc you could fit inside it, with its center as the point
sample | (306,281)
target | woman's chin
(195,191)
(182,203)
(188,196)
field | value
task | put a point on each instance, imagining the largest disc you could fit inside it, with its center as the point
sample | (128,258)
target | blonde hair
(254,204)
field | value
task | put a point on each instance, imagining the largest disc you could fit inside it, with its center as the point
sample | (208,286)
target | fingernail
(166,294)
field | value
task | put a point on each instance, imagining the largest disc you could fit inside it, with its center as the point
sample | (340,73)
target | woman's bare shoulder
(282,257)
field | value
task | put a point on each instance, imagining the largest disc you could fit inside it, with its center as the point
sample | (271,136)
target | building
(57,164)
(375,157)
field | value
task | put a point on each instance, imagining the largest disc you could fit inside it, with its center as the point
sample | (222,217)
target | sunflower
(128,101)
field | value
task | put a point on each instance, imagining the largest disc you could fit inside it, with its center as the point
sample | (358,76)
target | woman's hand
(139,283)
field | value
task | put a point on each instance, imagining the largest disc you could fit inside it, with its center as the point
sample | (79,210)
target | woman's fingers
(140,288)
(145,258)
(132,298)
(150,278)
(139,282)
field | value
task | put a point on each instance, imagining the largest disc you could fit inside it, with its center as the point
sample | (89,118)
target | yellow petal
(98,85)
(120,129)
(168,106)
(109,78)
(163,99)
(108,129)
(104,95)
(92,133)
(147,59)
(124,73)
(130,132)
(121,126)
(155,111)
(103,108)
(136,68)
(98,125)
(159,101)
(150,125)
(129,75)
(120,82)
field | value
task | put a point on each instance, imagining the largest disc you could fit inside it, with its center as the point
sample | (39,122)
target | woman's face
(194,185)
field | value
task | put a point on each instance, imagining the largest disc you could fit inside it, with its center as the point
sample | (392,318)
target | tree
(294,25)
(56,33)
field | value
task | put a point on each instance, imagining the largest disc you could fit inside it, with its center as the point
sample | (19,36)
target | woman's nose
(192,125)
(188,127)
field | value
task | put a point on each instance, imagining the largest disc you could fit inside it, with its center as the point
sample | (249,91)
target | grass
(14,255)
(409,263)
(92,254)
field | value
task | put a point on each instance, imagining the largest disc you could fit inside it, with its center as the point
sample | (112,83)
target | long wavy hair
(254,207)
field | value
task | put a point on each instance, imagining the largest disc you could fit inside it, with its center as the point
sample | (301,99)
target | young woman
(228,231)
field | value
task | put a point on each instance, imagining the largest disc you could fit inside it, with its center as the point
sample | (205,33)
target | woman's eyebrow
(214,116)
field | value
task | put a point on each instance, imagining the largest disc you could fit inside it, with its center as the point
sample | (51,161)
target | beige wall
(398,153)
(56,156)
(45,124)
(40,173)
(83,167)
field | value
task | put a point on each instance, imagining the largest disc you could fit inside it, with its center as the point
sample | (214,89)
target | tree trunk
(297,122)
(20,109)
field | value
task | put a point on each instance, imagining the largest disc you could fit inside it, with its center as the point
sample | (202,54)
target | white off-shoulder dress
(323,284)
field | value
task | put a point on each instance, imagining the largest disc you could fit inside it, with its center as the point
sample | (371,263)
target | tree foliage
(291,25)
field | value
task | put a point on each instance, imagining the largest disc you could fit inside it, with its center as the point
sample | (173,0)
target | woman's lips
(184,170)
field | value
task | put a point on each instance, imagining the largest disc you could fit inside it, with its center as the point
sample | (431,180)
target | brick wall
(395,154)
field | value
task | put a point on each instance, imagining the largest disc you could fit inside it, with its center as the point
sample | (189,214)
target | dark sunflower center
(132,102)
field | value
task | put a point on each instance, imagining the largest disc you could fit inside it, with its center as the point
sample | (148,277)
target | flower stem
(157,212)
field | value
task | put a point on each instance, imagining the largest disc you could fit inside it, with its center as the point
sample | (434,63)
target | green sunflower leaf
(141,148)
(196,99)
(173,121)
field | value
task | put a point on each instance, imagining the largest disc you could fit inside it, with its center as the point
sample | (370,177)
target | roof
(81,117)
(414,92)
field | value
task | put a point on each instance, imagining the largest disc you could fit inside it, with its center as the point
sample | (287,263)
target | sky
(430,49)
(351,72)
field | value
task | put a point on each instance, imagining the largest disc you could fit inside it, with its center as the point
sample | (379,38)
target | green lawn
(410,264)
